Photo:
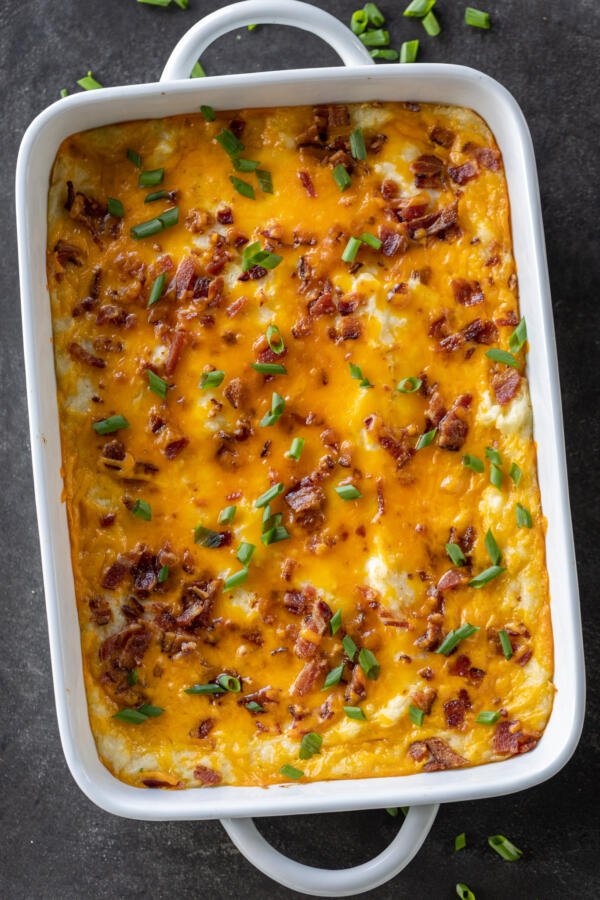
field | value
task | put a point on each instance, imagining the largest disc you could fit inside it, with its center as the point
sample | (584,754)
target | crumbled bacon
(481,331)
(488,157)
(174,448)
(432,637)
(441,756)
(234,392)
(424,699)
(313,629)
(207,776)
(113,576)
(198,599)
(67,253)
(509,740)
(308,676)
(306,501)
(428,171)
(357,687)
(393,441)
(455,710)
(442,136)
(185,277)
(389,189)
(506,384)
(467,293)
(323,305)
(307,183)
(393,242)
(452,429)
(100,610)
(234,308)
(434,223)
(452,579)
(110,314)
(202,729)
(464,173)
(225,215)
(178,342)
(114,449)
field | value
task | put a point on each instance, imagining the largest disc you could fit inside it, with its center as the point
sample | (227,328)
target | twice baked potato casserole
(299,469)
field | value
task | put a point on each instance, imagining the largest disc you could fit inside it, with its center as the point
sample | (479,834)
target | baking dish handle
(333,882)
(263,12)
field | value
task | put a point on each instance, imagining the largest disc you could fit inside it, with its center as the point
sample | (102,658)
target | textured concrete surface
(56,844)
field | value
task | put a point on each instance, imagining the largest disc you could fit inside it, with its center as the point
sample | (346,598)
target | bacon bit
(424,699)
(375,142)
(454,710)
(442,136)
(111,315)
(441,756)
(452,342)
(100,611)
(350,329)
(197,221)
(389,189)
(509,319)
(234,392)
(488,157)
(174,448)
(506,384)
(440,327)
(357,688)
(113,576)
(234,308)
(453,429)
(393,242)
(481,331)
(185,276)
(199,598)
(295,602)
(225,216)
(323,305)
(207,776)
(452,579)
(202,729)
(306,502)
(178,342)
(427,673)
(201,288)
(307,183)
(107,520)
(313,629)
(307,677)
(215,292)
(464,173)
(287,569)
(467,293)
(434,223)
(380,498)
(523,658)
(253,273)
(119,654)
(432,637)
(393,441)
(144,573)
(436,409)
(114,449)
(67,253)
(510,741)
(428,171)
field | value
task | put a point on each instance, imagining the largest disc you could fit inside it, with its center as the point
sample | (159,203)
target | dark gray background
(56,844)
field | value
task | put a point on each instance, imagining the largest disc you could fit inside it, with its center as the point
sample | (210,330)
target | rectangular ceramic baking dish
(358,81)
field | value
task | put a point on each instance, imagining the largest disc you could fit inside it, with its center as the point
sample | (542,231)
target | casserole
(442,84)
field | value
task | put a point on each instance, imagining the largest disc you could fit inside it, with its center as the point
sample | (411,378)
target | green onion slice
(310,745)
(463,892)
(370,240)
(151,178)
(270,368)
(493,455)
(89,83)
(486,576)
(275,413)
(115,208)
(156,195)
(274,339)
(515,473)
(348,492)
(409,385)
(142,509)
(374,15)
(415,715)
(134,158)
(453,638)
(477,18)
(494,552)
(359,21)
(368,663)
(460,841)
(274,535)
(291,772)
(488,717)
(208,113)
(335,621)
(210,688)
(505,643)
(472,462)
(229,683)
(456,554)
(255,707)
(378,37)
(431,24)
(356,372)
(350,647)
(496,475)
(236,579)
(334,677)
(157,384)
(227,515)
(518,337)
(133,676)
(228,141)
(355,712)
(523,517)
(409,51)
(245,165)
(505,848)
(252,255)
(387,54)
(245,552)
(502,356)
(418,8)
(113,423)
(163,574)
(426,439)
(154,226)
(351,249)
(296,448)
(269,495)
(357,144)
(211,379)
(265,181)
(392,811)
(341,177)
(242,187)
(132,716)
(158,287)
(208,538)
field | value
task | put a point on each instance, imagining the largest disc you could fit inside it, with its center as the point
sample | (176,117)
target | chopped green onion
(356,372)
(409,51)
(265,181)
(134,676)
(355,712)
(163,574)
(228,141)
(357,144)
(274,535)
(334,677)
(227,515)
(208,538)
(211,379)
(453,638)
(157,384)
(350,647)
(335,621)
(163,3)
(270,368)
(387,54)
(502,356)
(463,892)
(418,8)
(310,744)
(370,240)
(460,841)
(139,715)
(275,413)
(477,18)
(359,21)
(415,715)
(63,93)
(197,70)
(523,517)
(341,177)
(505,643)
(374,14)
(154,226)
(515,473)
(269,495)
(115,208)
(376,38)
(112,423)
(158,287)
(251,27)
(456,554)
(151,177)
(229,683)
(351,249)
(392,811)
(505,848)
(426,439)
(208,113)
(254,707)
(142,509)
(252,255)
(486,576)
(431,24)
(472,462)
(494,552)
(496,475)
(89,83)
(204,689)
(274,339)
(245,552)
(134,157)
(156,195)
(291,772)
(488,717)
(236,579)
(409,385)
(151,711)
(518,337)
(245,165)
(296,448)
(348,492)
(242,187)
(368,663)
(493,455)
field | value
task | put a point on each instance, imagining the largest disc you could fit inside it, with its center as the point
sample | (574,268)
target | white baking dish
(357,82)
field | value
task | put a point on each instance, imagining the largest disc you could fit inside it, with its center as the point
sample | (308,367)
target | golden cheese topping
(297,451)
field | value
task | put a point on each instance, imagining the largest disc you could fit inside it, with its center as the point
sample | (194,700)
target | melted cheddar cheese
(378,351)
